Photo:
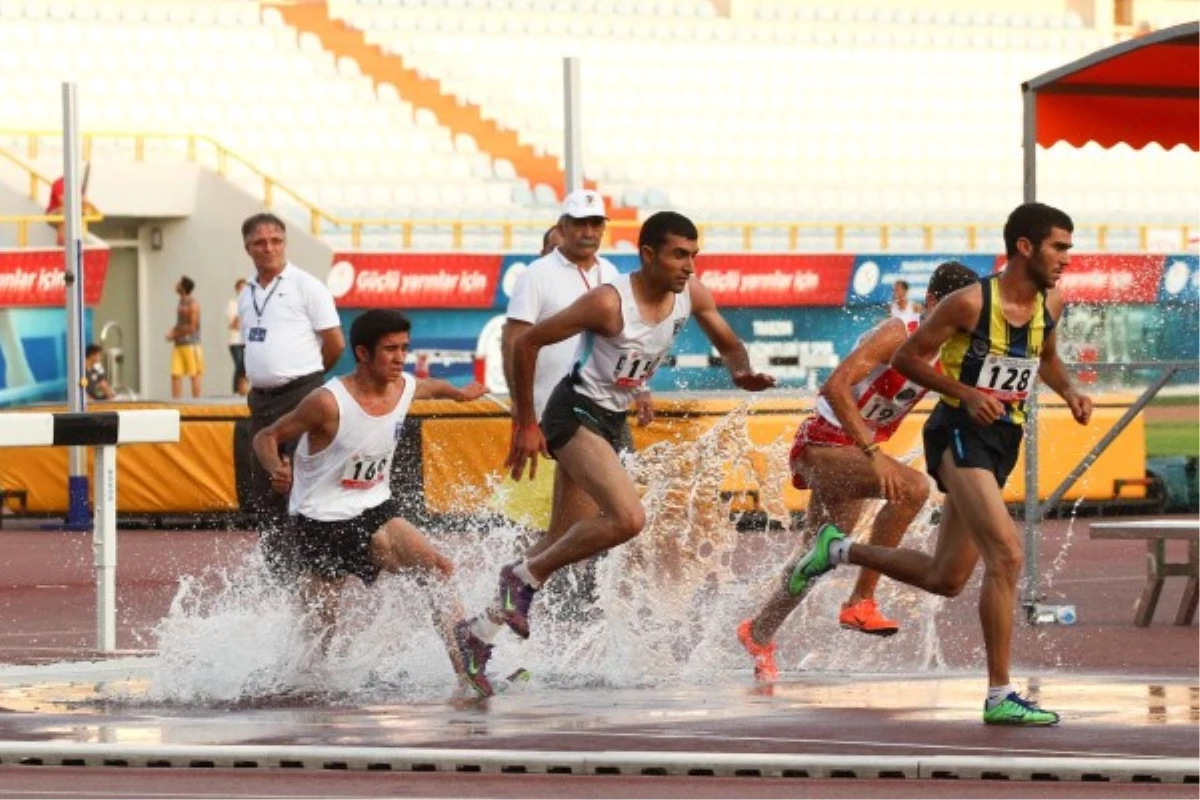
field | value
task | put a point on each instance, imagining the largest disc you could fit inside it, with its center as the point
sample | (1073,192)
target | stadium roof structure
(1142,91)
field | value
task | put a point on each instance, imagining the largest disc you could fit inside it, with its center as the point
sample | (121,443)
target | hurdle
(103,430)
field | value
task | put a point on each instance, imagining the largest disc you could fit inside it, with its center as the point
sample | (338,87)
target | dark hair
(662,224)
(949,277)
(902,283)
(371,326)
(546,236)
(188,284)
(265,218)
(91,350)
(1033,221)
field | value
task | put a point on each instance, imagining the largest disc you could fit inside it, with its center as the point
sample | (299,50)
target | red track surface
(1126,691)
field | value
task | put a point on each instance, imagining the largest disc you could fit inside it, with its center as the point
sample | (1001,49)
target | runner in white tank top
(345,520)
(629,326)
(836,454)
(350,475)
(612,369)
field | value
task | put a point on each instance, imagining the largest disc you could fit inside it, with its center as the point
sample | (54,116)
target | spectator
(95,378)
(293,336)
(902,308)
(237,343)
(187,359)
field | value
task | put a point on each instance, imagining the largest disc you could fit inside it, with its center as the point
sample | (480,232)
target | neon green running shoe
(1016,710)
(816,562)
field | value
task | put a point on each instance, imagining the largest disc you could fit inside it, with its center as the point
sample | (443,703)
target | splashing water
(662,608)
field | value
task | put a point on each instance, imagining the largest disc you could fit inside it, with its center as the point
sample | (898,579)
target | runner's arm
(438,389)
(732,349)
(876,349)
(914,358)
(508,337)
(1054,372)
(315,413)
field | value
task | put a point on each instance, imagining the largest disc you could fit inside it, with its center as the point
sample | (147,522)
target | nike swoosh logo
(509,605)
(472,667)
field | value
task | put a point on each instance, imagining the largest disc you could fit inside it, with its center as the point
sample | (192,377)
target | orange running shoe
(864,616)
(765,670)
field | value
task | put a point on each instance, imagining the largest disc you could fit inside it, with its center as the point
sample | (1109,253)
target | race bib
(881,410)
(363,472)
(1007,379)
(633,370)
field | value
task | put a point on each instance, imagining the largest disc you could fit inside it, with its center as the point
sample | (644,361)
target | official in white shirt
(293,336)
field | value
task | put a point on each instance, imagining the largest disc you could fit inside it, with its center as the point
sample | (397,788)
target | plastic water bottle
(1065,615)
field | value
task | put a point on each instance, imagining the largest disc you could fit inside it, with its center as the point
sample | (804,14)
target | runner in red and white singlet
(836,454)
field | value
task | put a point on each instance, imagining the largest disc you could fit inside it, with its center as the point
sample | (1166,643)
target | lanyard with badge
(258,333)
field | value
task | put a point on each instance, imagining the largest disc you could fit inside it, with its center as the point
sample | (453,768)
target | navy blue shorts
(993,447)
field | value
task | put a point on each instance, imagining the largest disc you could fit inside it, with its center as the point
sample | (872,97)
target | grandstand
(744,112)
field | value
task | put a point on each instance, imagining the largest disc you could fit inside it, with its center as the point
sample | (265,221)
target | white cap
(583,204)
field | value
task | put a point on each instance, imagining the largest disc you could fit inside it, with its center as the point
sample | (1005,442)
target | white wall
(207,247)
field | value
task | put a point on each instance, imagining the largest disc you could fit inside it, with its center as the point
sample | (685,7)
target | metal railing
(205,150)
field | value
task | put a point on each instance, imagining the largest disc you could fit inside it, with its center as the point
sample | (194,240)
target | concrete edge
(389,759)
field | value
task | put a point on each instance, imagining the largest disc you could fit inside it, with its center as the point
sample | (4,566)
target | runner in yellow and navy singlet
(1000,360)
(995,341)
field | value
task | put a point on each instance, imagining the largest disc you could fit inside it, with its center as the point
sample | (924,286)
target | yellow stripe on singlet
(963,353)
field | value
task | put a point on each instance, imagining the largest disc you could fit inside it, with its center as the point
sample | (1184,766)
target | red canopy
(1137,92)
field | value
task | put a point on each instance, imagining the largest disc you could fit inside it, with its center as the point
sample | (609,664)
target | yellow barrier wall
(463,447)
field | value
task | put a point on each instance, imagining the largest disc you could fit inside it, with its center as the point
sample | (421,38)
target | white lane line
(711,737)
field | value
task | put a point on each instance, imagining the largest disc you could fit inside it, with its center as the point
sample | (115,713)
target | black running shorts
(993,447)
(566,410)
(335,549)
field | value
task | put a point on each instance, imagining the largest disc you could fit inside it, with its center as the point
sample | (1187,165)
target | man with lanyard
(836,454)
(346,520)
(293,336)
(629,327)
(995,339)
(553,502)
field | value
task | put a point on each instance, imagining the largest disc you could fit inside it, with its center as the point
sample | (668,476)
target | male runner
(836,454)
(345,518)
(994,339)
(629,327)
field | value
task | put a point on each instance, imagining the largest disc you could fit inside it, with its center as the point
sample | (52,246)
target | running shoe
(864,616)
(1016,710)
(516,597)
(816,562)
(474,654)
(765,670)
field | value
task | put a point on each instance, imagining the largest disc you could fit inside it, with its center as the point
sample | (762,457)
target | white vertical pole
(572,125)
(77,483)
(1032,591)
(104,547)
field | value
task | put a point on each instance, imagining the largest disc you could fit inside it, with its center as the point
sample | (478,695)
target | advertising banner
(874,275)
(408,281)
(37,278)
(1108,278)
(775,280)
(1179,280)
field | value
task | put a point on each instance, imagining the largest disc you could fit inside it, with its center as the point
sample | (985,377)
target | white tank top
(610,370)
(883,398)
(353,473)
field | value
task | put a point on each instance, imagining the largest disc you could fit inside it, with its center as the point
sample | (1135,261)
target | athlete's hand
(1080,405)
(983,408)
(281,478)
(472,391)
(890,475)
(645,408)
(527,444)
(752,381)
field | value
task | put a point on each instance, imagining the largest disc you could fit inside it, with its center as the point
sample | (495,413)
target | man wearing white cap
(550,284)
